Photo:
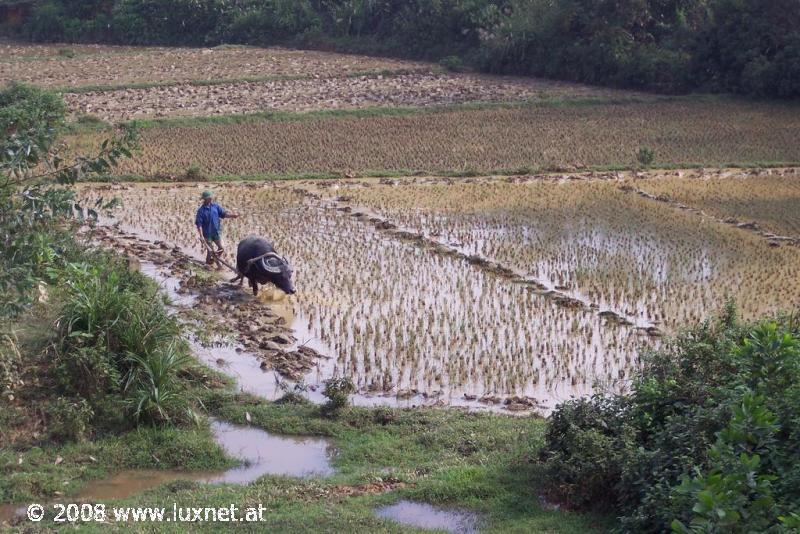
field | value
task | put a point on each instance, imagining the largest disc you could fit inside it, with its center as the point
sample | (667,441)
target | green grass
(395,111)
(452,458)
(37,475)
(402,111)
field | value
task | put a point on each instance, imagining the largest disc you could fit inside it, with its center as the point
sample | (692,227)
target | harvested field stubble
(770,199)
(690,131)
(12,51)
(622,252)
(416,89)
(398,318)
(116,66)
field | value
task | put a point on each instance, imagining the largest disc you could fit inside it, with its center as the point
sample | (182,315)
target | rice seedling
(479,140)
(770,198)
(646,260)
(396,318)
(401,315)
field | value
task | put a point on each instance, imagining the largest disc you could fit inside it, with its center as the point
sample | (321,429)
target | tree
(31,165)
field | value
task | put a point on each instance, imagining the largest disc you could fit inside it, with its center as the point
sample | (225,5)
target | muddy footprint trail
(215,307)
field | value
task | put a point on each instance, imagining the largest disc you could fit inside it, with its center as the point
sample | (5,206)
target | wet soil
(256,327)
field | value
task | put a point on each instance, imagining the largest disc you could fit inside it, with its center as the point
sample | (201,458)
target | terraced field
(517,288)
(460,291)
(480,140)
(651,263)
(415,89)
(52,66)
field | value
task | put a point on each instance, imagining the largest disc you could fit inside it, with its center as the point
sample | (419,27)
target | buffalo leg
(254,285)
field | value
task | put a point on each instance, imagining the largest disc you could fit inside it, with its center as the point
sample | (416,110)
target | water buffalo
(267,266)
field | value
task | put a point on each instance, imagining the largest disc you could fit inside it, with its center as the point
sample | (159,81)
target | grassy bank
(407,173)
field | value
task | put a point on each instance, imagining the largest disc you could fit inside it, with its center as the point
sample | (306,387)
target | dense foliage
(32,237)
(743,46)
(707,440)
(116,352)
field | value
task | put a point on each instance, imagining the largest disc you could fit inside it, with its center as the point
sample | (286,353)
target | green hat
(207,194)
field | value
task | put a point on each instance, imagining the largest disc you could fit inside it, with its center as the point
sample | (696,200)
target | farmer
(209,226)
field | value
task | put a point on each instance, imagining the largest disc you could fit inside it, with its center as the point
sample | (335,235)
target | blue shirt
(208,219)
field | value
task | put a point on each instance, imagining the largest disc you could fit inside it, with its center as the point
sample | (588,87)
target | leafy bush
(705,441)
(588,441)
(24,108)
(452,63)
(69,419)
(645,156)
(35,234)
(194,174)
(337,391)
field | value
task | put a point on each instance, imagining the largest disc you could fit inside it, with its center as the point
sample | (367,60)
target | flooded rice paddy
(451,293)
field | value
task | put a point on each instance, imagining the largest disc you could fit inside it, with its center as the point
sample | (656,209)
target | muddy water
(267,454)
(259,452)
(427,517)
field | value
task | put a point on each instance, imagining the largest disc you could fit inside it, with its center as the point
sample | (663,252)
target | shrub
(114,337)
(452,63)
(194,174)
(69,419)
(337,391)
(24,107)
(705,441)
(587,443)
(645,156)
(153,386)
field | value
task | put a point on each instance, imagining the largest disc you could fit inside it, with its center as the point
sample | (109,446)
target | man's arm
(225,214)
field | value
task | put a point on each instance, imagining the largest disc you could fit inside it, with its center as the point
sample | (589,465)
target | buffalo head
(279,273)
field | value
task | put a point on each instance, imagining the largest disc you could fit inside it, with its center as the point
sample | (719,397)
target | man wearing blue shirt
(209,225)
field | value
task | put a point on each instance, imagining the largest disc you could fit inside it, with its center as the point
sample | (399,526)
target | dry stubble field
(481,140)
